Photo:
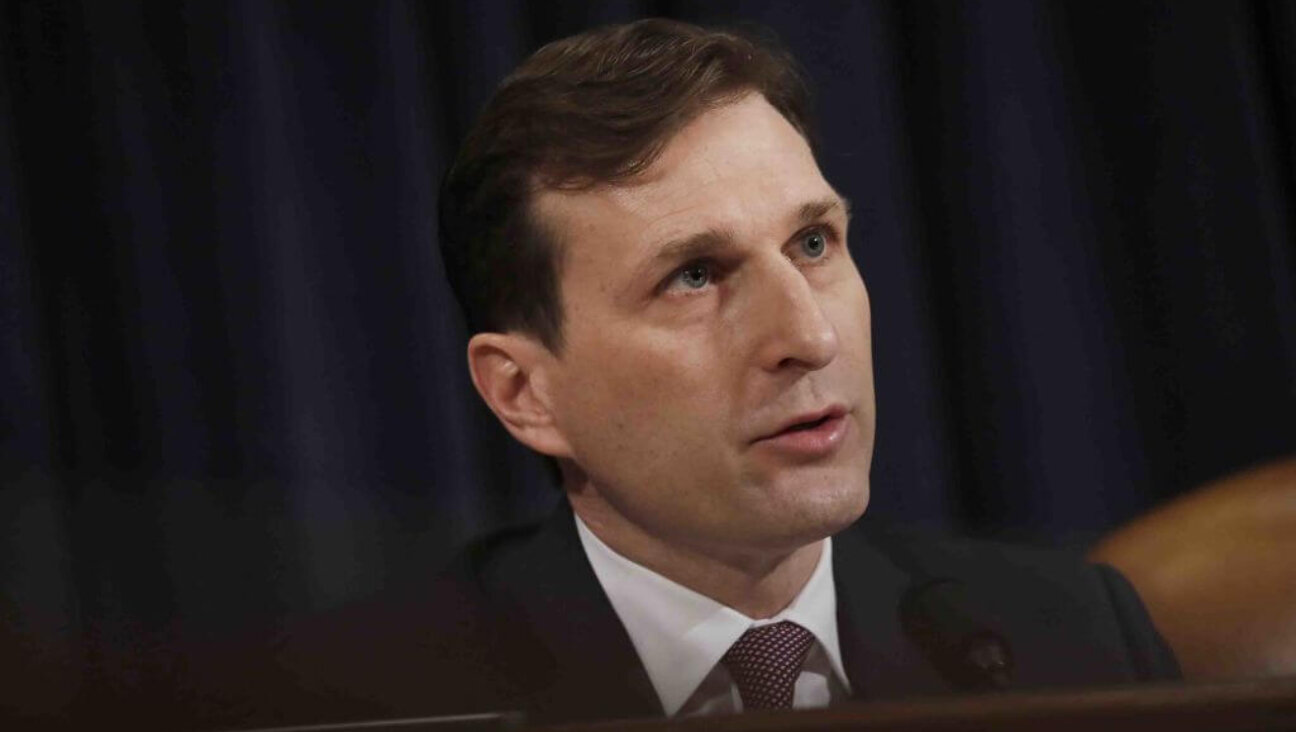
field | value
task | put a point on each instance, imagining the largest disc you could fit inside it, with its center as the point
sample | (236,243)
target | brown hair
(591,109)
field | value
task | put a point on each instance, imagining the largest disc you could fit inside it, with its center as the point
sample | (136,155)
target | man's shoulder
(451,641)
(490,563)
(1049,581)
(923,552)
(1051,603)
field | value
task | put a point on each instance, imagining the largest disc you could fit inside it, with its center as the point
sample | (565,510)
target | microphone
(941,619)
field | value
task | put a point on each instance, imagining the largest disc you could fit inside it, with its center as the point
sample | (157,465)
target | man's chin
(817,515)
(838,515)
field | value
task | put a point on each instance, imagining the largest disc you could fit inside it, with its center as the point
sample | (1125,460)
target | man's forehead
(738,165)
(634,228)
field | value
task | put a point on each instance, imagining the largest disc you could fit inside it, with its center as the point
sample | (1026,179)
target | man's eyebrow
(709,243)
(815,210)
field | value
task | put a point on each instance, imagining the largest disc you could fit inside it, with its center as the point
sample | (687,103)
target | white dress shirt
(681,635)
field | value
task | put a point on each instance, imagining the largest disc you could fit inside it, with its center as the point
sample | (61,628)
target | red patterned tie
(765,663)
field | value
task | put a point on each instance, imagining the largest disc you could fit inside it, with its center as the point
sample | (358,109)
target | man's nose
(794,331)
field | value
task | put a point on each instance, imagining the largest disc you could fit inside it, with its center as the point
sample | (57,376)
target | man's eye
(814,244)
(695,276)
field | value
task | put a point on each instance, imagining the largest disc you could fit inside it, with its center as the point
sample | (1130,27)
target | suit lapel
(587,666)
(879,659)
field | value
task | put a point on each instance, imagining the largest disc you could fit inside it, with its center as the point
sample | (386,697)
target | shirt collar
(680,634)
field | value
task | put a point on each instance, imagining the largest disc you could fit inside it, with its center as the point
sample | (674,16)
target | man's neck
(758,583)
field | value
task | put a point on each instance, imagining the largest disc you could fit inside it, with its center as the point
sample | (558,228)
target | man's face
(713,320)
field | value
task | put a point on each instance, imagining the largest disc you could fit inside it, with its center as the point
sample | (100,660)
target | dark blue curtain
(232,382)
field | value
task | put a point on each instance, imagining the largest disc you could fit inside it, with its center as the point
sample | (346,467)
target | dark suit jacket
(521,623)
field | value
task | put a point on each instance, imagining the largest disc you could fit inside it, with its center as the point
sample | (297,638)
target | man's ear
(509,371)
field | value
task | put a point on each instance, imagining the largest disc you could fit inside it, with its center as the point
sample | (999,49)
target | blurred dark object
(943,619)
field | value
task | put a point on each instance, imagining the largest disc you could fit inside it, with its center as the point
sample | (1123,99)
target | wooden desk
(1263,705)
(1268,704)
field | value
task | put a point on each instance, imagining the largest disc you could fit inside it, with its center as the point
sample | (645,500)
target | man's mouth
(807,421)
(803,426)
(811,435)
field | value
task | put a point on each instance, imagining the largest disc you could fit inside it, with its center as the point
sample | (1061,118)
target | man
(662,301)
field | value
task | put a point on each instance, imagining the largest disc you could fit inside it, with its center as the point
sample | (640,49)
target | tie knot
(765,663)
